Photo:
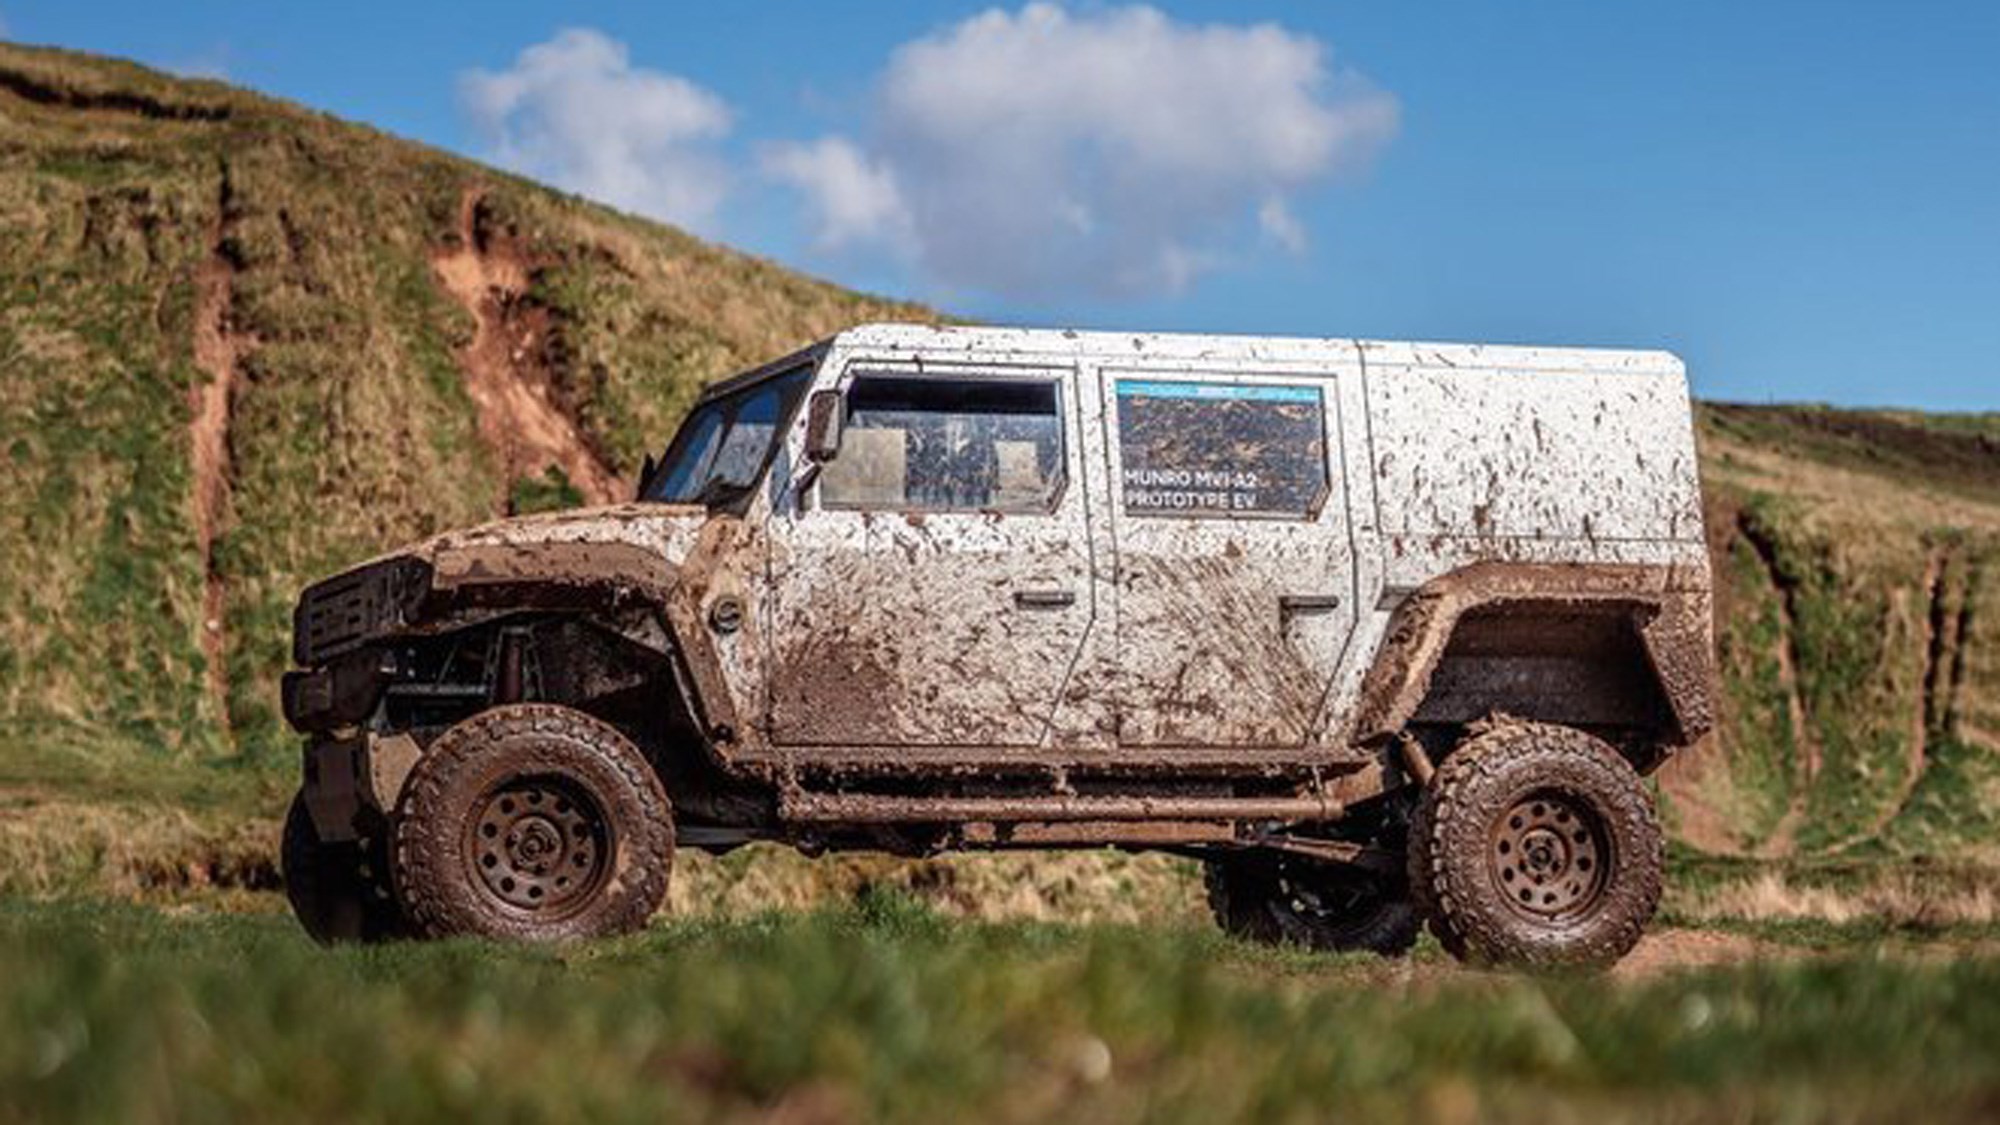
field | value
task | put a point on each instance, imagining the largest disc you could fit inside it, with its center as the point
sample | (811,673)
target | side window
(1221,449)
(947,445)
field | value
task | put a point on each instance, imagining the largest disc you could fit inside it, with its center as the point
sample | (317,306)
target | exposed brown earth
(219,349)
(1667,950)
(507,363)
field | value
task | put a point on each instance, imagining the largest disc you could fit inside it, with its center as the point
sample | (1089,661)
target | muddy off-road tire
(1286,900)
(532,822)
(338,891)
(1536,846)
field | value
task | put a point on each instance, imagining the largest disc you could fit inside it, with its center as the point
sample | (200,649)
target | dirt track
(219,349)
(1667,950)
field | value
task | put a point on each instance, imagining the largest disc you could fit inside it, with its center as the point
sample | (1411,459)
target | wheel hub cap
(539,845)
(534,842)
(1548,855)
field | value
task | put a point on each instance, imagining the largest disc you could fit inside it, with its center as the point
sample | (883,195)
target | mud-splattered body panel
(1040,556)
(1233,558)
(1493,453)
(1253,511)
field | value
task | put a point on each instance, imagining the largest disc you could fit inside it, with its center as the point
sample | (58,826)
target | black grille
(347,610)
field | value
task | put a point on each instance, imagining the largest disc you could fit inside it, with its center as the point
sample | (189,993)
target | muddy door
(932,585)
(1235,579)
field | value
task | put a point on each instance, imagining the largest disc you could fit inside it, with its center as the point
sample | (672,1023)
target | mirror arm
(803,483)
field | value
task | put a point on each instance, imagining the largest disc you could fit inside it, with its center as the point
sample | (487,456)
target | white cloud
(1119,151)
(1275,219)
(212,63)
(574,111)
(856,200)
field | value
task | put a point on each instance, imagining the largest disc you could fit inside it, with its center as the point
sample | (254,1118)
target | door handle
(1044,599)
(1289,604)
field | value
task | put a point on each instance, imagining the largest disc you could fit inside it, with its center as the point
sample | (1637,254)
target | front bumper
(341,694)
(340,678)
(351,785)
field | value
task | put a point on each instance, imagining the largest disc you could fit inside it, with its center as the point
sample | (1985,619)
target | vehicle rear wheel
(532,822)
(1287,899)
(1536,845)
(339,891)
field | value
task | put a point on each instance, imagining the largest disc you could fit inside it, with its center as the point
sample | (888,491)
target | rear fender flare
(1667,605)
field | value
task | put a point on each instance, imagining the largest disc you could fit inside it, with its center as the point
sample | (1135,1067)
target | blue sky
(1801,199)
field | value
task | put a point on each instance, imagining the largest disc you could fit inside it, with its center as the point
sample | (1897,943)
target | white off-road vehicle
(1380,632)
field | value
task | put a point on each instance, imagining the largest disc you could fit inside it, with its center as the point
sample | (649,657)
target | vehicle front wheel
(1282,899)
(532,822)
(1536,845)
(338,890)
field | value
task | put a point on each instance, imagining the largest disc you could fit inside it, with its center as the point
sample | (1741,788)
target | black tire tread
(1462,907)
(1231,908)
(332,897)
(1241,897)
(422,876)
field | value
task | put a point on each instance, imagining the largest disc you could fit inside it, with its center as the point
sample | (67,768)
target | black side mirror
(823,420)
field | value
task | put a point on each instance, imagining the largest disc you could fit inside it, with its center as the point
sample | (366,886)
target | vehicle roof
(722,387)
(892,338)
(973,341)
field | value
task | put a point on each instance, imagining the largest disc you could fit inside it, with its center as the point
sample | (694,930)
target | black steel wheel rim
(1550,855)
(541,846)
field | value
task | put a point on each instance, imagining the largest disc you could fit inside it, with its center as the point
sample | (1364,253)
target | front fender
(606,580)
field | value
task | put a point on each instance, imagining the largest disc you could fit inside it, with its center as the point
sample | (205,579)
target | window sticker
(1220,449)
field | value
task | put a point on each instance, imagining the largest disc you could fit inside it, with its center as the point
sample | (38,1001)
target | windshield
(723,446)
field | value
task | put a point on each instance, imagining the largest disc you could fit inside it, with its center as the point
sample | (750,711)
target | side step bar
(800,806)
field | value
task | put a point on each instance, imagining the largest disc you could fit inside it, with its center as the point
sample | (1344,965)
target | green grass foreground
(886,1011)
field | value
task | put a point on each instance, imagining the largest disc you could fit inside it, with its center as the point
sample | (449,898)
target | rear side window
(947,445)
(1190,449)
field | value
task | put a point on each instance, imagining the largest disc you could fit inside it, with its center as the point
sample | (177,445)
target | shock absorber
(508,684)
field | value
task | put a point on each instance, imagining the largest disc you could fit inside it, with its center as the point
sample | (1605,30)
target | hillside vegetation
(1855,559)
(242,344)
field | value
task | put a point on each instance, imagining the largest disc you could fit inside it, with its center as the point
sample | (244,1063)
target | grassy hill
(1856,561)
(242,343)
